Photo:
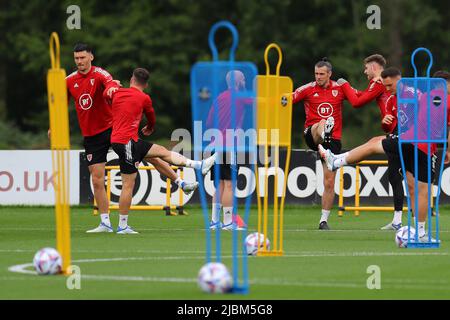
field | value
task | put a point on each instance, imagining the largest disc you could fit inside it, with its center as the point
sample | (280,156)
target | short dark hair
(442,74)
(324,62)
(390,73)
(141,75)
(79,47)
(378,58)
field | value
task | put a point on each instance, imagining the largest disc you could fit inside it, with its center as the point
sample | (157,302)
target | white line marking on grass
(411,284)
(350,230)
(21,268)
(362,254)
(288,254)
(137,278)
(110,251)
(138,259)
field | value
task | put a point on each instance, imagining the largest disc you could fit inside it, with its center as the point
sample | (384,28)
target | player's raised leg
(165,169)
(321,131)
(126,195)
(334,162)
(180,160)
(98,181)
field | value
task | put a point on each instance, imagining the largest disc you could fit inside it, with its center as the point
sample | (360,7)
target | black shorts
(334,145)
(422,162)
(225,168)
(225,172)
(97,147)
(390,146)
(131,154)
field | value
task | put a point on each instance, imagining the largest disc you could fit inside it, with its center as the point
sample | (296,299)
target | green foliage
(169,36)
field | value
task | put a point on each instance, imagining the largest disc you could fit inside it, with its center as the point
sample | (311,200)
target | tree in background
(168,37)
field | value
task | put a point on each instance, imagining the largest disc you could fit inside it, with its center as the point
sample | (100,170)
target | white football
(214,277)
(47,261)
(401,236)
(252,244)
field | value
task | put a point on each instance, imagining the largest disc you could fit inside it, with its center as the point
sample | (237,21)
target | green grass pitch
(162,262)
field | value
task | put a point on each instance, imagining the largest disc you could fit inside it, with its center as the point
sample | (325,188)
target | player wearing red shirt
(446,75)
(127,119)
(128,106)
(389,145)
(86,89)
(323,100)
(86,86)
(373,66)
(221,112)
(89,86)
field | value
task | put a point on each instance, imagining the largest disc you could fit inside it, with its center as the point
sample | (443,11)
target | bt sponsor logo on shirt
(85,101)
(325,110)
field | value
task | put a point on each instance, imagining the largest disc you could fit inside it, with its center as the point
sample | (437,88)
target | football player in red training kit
(389,144)
(87,86)
(323,100)
(128,104)
(235,80)
(445,75)
(373,66)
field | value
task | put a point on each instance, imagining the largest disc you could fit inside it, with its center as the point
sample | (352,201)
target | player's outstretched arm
(300,93)
(109,91)
(360,98)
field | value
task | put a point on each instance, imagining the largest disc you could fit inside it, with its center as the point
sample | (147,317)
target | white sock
(341,155)
(421,229)
(227,215)
(123,221)
(325,215)
(179,182)
(397,217)
(215,216)
(105,219)
(193,164)
(340,162)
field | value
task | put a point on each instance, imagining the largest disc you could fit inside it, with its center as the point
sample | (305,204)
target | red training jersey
(390,108)
(221,110)
(375,90)
(128,104)
(436,117)
(321,103)
(94,114)
(448,109)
